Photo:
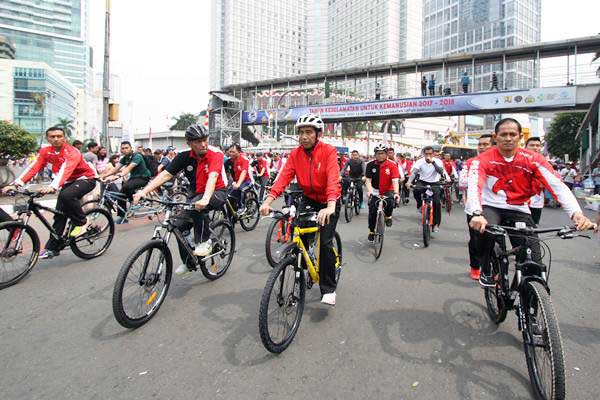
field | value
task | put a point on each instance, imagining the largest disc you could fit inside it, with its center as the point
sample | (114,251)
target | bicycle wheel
(19,250)
(448,195)
(251,217)
(542,343)
(223,247)
(379,233)
(337,247)
(356,203)
(349,207)
(98,237)
(282,304)
(277,239)
(142,284)
(494,297)
(426,227)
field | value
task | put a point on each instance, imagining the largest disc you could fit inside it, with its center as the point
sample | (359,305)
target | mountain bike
(20,243)
(427,209)
(282,301)
(351,200)
(379,225)
(248,219)
(145,277)
(281,232)
(447,199)
(529,296)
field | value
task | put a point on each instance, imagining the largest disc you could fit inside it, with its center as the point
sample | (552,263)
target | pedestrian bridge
(573,97)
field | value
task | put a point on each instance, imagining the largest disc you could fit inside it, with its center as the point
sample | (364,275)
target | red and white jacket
(510,183)
(67,166)
(317,172)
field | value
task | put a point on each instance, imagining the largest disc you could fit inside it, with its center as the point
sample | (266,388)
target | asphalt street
(410,326)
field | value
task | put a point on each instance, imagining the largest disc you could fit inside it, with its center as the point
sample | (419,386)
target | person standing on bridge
(494,82)
(423,86)
(465,81)
(431,85)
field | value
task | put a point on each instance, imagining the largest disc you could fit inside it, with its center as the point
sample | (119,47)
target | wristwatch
(477,214)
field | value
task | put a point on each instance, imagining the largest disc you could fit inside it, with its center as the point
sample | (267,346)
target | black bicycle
(529,296)
(20,243)
(379,226)
(248,219)
(145,277)
(351,200)
(427,209)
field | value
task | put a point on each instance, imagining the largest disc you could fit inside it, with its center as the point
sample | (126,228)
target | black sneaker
(388,221)
(486,281)
(47,254)
(371,237)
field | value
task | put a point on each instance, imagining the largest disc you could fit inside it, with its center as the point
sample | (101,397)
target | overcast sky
(161,49)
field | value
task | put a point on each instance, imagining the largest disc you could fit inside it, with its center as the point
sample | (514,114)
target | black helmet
(195,132)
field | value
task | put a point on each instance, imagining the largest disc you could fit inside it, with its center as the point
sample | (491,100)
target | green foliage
(15,142)
(561,137)
(67,125)
(184,120)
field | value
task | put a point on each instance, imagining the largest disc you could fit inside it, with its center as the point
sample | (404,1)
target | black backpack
(151,164)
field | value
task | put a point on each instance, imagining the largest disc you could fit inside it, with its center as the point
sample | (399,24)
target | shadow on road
(460,328)
(437,278)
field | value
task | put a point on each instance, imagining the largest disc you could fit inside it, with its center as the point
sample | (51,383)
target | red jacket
(318,173)
(67,166)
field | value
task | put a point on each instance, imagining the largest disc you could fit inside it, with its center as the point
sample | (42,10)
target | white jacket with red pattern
(509,184)
(67,166)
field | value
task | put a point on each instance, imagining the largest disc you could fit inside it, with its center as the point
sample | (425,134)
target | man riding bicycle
(203,167)
(131,163)
(430,170)
(501,182)
(242,178)
(382,179)
(315,165)
(73,178)
(353,169)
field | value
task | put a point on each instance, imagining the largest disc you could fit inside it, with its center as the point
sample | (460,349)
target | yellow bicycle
(283,297)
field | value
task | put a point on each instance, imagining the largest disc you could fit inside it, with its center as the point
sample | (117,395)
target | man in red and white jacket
(73,177)
(315,165)
(501,183)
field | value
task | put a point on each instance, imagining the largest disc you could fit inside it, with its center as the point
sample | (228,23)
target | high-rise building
(366,32)
(35,96)
(317,38)
(257,40)
(464,26)
(7,49)
(55,32)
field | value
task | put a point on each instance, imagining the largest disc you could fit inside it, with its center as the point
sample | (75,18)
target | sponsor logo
(189,168)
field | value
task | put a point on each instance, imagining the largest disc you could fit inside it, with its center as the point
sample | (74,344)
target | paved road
(410,326)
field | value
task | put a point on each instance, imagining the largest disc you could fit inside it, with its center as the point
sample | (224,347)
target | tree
(67,125)
(184,120)
(561,138)
(15,142)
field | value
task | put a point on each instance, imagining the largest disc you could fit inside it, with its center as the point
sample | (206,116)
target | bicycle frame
(313,269)
(35,208)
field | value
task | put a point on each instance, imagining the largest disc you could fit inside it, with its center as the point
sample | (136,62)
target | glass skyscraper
(50,31)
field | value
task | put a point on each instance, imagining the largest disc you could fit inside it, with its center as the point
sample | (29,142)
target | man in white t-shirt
(568,174)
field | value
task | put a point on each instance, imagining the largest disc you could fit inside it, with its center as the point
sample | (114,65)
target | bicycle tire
(379,235)
(119,311)
(348,208)
(356,203)
(426,227)
(75,244)
(250,219)
(339,257)
(10,227)
(494,297)
(448,201)
(221,244)
(275,254)
(289,266)
(536,296)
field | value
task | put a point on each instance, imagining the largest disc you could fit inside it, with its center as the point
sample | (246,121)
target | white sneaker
(203,249)
(329,299)
(182,270)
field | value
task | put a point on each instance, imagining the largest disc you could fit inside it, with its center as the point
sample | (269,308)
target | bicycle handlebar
(171,204)
(25,192)
(562,232)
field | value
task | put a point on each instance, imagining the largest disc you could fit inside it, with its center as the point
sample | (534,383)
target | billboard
(476,102)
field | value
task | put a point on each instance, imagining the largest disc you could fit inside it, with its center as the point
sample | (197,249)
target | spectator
(431,85)
(166,160)
(91,156)
(596,177)
(158,155)
(148,152)
(568,174)
(465,80)
(78,144)
(494,82)
(423,86)
(102,163)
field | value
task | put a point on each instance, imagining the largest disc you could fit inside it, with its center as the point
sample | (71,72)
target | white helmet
(380,147)
(310,120)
